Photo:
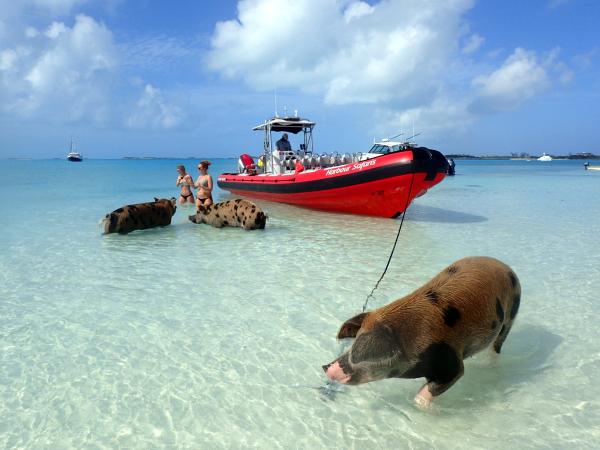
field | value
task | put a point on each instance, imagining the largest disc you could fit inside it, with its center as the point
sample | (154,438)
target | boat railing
(314,161)
(309,160)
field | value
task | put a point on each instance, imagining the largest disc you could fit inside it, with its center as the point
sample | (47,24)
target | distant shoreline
(523,158)
(453,156)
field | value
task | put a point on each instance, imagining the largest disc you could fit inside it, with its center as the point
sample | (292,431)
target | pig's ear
(379,344)
(351,326)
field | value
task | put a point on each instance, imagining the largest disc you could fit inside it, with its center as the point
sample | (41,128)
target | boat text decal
(354,167)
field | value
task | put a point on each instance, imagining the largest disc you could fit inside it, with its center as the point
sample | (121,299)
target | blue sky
(190,78)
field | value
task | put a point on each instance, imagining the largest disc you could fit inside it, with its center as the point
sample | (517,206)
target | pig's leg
(433,388)
(442,367)
(424,397)
(502,336)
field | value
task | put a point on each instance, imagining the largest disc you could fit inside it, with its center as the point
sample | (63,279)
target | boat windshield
(384,149)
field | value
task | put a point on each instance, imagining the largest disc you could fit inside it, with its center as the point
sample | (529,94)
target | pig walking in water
(140,216)
(467,307)
(231,213)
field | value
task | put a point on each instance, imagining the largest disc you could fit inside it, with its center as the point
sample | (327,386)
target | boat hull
(74,159)
(383,186)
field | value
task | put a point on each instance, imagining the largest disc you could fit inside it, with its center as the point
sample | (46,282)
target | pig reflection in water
(467,307)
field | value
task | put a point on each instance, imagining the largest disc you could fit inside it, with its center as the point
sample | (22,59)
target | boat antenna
(394,137)
(394,247)
(276,113)
(413,136)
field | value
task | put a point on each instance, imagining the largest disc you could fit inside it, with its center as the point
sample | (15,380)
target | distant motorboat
(545,157)
(74,155)
(588,167)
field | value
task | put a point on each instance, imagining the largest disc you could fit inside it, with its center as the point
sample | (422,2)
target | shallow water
(195,337)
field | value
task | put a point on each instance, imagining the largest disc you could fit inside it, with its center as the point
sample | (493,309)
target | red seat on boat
(246,164)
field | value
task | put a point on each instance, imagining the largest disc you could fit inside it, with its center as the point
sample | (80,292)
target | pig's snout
(335,372)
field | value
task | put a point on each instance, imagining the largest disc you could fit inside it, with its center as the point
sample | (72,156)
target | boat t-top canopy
(287,124)
(292,125)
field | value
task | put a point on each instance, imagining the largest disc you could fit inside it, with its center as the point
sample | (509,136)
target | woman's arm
(209,184)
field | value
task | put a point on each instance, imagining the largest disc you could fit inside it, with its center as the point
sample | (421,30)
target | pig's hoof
(422,402)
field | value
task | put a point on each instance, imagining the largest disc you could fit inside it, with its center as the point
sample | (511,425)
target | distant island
(175,158)
(524,156)
(512,156)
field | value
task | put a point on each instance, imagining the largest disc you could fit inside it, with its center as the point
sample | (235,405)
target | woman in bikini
(204,183)
(186,182)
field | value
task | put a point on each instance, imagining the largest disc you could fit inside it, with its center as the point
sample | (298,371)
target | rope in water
(393,248)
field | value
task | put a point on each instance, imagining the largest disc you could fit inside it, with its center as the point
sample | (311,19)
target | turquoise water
(195,337)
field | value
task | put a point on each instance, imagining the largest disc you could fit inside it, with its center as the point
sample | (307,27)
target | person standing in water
(186,182)
(204,184)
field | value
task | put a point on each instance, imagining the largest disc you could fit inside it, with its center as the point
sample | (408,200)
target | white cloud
(153,111)
(347,52)
(357,10)
(413,60)
(520,78)
(474,42)
(55,30)
(70,67)
(438,118)
(65,71)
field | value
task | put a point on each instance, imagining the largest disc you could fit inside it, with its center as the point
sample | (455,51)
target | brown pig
(231,213)
(140,216)
(467,307)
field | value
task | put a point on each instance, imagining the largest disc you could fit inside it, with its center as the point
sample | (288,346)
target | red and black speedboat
(382,182)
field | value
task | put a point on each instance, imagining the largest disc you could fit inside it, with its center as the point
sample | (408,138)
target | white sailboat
(73,154)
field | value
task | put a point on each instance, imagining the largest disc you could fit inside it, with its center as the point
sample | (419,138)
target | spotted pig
(232,213)
(467,307)
(140,216)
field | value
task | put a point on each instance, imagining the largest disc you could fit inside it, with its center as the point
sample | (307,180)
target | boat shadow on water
(423,213)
